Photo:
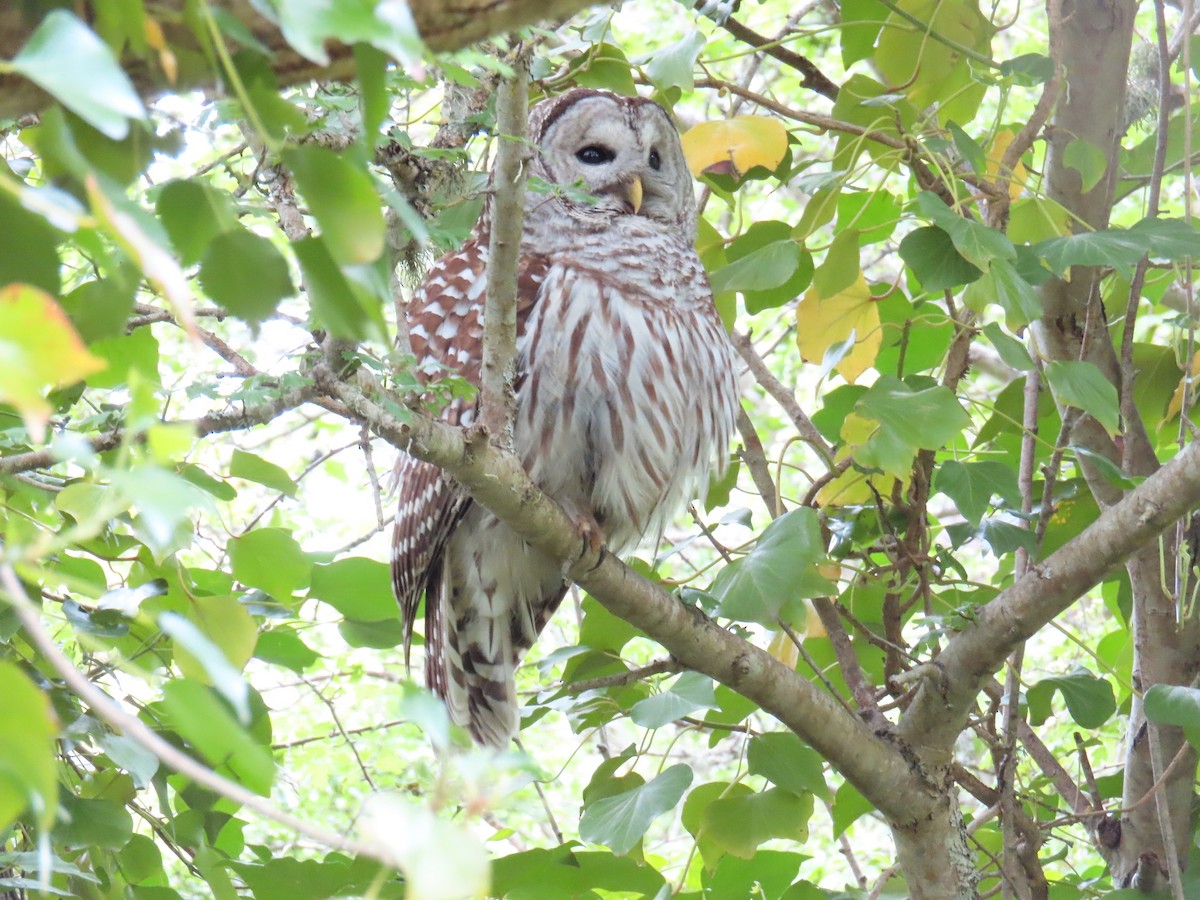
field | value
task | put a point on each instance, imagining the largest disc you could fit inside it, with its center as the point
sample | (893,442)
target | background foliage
(190,527)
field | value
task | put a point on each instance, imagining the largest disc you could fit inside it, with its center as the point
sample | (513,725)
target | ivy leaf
(1004,284)
(93,85)
(893,422)
(738,825)
(1169,704)
(1090,700)
(690,692)
(763,269)
(934,259)
(972,485)
(1083,385)
(673,66)
(786,761)
(773,579)
(620,821)
(1118,249)
(977,243)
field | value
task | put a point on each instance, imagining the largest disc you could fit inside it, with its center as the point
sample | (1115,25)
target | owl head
(624,150)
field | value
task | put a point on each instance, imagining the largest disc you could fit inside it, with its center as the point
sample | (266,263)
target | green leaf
(933,258)
(1088,160)
(27,751)
(840,268)
(690,692)
(214,643)
(738,825)
(246,274)
(196,714)
(1011,350)
(787,762)
(772,580)
(386,26)
(131,756)
(1083,385)
(66,59)
(357,587)
(94,823)
(374,99)
(848,807)
(339,304)
(30,248)
(254,468)
(1119,249)
(604,67)
(908,421)
(270,558)
(285,648)
(672,66)
(1169,704)
(1089,699)
(1004,284)
(193,214)
(343,199)
(861,21)
(977,243)
(1170,239)
(972,485)
(764,269)
(99,309)
(620,821)
(968,148)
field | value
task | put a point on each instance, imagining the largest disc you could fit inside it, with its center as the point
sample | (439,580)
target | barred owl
(626,393)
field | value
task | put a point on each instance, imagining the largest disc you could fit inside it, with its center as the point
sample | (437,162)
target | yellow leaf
(1176,404)
(823,322)
(813,626)
(1019,175)
(782,648)
(735,146)
(39,349)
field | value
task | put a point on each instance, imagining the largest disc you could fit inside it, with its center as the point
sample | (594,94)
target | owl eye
(655,159)
(594,155)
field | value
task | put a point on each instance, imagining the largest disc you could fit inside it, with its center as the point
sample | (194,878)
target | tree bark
(1091,40)
(443,25)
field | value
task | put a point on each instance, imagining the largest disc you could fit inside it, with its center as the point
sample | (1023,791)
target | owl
(626,392)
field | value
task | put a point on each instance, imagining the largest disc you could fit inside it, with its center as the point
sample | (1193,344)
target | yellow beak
(634,194)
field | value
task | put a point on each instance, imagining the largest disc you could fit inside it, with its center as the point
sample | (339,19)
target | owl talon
(589,531)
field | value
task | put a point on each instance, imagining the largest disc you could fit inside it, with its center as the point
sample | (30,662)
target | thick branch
(939,711)
(496,479)
(443,25)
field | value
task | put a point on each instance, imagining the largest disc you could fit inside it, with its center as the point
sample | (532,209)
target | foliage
(193,525)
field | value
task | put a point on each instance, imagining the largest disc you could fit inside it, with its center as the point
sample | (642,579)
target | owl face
(624,150)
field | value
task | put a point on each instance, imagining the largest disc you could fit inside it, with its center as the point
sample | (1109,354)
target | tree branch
(499,370)
(938,714)
(496,479)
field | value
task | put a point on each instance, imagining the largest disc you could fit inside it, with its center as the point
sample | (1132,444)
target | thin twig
(137,730)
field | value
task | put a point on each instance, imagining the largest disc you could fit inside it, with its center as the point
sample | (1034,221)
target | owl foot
(588,529)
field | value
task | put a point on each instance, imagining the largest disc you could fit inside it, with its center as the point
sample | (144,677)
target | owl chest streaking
(626,393)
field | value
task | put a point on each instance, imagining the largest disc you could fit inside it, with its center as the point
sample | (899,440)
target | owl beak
(634,193)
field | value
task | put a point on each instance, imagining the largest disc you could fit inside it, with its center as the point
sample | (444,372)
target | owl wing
(445,319)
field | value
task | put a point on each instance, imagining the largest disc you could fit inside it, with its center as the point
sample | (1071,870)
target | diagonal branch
(939,711)
(496,479)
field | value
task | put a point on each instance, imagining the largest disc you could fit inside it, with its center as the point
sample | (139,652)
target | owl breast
(628,391)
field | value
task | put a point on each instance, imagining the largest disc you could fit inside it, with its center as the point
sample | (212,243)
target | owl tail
(479,663)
